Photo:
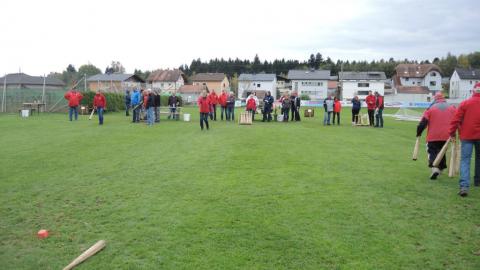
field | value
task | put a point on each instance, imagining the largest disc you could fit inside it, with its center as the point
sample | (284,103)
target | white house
(415,75)
(313,83)
(360,83)
(166,80)
(462,82)
(259,83)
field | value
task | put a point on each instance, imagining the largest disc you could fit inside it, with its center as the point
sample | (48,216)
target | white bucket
(186,117)
(25,113)
(280,118)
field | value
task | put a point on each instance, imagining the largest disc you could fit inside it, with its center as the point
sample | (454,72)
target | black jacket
(150,101)
(173,101)
(156,101)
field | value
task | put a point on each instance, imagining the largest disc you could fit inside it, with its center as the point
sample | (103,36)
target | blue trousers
(466,155)
(72,110)
(100,115)
(204,119)
(150,116)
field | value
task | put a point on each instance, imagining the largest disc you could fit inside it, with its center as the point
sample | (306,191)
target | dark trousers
(337,114)
(433,148)
(253,114)
(230,113)
(355,113)
(204,118)
(223,110)
(267,115)
(136,115)
(285,115)
(127,109)
(173,113)
(157,114)
(100,115)
(379,118)
(295,114)
(213,113)
(371,114)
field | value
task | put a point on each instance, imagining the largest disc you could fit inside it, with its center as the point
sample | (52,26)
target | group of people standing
(442,121)
(290,102)
(207,103)
(145,104)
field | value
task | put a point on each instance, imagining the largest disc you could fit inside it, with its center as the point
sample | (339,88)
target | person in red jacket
(213,103)
(379,105)
(204,106)
(370,100)
(437,118)
(251,105)
(99,104)
(467,121)
(337,108)
(222,100)
(74,98)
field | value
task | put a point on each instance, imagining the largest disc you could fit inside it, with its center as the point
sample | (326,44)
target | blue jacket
(135,99)
(356,104)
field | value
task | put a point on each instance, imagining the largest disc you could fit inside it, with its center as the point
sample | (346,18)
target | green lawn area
(266,196)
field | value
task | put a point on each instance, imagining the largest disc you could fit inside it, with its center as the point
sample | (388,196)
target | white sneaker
(435,173)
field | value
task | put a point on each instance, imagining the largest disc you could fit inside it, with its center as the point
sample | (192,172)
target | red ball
(42,234)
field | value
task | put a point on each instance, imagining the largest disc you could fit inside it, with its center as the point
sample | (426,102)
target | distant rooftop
(22,78)
(309,74)
(257,77)
(208,77)
(369,75)
(113,77)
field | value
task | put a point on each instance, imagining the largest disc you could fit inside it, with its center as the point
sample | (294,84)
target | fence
(14,98)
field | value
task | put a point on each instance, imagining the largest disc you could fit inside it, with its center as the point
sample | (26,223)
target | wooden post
(43,90)
(4,102)
(451,165)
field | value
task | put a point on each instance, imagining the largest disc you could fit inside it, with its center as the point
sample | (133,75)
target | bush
(304,97)
(115,101)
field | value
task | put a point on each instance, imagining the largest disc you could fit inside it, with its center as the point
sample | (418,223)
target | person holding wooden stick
(467,121)
(99,104)
(437,118)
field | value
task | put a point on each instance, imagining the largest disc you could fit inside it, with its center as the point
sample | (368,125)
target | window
(471,82)
(433,83)
(320,83)
(363,85)
(434,74)
(296,85)
(406,79)
(204,83)
(362,93)
(258,85)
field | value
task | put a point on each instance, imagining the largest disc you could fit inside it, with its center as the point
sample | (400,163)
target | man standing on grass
(328,106)
(213,104)
(370,100)
(231,107)
(222,100)
(135,101)
(173,103)
(437,118)
(467,121)
(295,106)
(379,105)
(99,104)
(74,97)
(267,107)
(149,105)
(204,107)
(156,106)
(128,102)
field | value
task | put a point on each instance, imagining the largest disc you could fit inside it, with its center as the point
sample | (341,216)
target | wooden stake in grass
(415,149)
(87,254)
(453,159)
(440,155)
(458,157)
(91,115)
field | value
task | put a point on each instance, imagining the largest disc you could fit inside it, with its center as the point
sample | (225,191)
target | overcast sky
(42,36)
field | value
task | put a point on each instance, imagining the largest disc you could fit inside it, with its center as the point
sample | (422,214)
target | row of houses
(410,82)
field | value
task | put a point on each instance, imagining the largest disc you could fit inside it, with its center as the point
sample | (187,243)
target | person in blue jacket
(267,107)
(356,106)
(135,102)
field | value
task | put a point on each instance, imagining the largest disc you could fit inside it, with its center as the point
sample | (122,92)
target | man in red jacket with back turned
(99,104)
(213,105)
(204,106)
(467,121)
(437,118)
(74,97)
(222,100)
(370,100)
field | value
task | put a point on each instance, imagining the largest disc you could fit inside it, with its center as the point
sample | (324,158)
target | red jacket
(145,101)
(213,98)
(99,101)
(379,102)
(73,98)
(467,119)
(204,104)
(439,117)
(251,105)
(370,100)
(222,99)
(337,106)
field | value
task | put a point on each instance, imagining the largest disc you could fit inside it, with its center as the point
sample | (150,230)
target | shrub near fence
(115,101)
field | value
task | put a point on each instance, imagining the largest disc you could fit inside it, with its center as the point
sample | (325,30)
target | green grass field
(267,196)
